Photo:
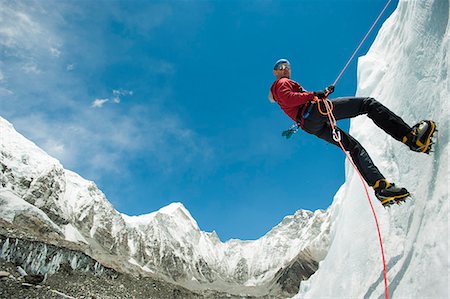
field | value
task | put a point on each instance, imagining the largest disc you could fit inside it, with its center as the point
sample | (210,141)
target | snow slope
(406,69)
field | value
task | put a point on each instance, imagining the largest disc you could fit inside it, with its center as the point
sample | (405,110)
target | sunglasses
(283,67)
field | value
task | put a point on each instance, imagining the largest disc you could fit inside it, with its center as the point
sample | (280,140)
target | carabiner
(336,135)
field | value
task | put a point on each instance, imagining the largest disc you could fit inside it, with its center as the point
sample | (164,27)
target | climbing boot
(420,137)
(388,193)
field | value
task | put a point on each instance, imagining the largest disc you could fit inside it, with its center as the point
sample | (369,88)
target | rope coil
(329,113)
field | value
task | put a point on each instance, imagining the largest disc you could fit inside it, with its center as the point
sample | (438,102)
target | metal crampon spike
(389,204)
(402,200)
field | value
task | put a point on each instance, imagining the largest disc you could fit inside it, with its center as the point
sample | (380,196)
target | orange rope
(329,113)
(317,100)
(337,137)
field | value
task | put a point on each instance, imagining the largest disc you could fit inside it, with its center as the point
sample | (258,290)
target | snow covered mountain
(38,196)
(406,69)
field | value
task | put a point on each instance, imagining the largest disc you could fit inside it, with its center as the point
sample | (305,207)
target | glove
(329,89)
(287,133)
(320,94)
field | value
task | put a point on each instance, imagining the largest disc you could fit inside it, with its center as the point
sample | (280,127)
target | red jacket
(290,96)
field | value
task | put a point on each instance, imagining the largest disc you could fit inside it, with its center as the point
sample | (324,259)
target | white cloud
(25,30)
(29,44)
(122,92)
(31,68)
(55,52)
(105,142)
(117,95)
(54,148)
(98,103)
(5,91)
(47,108)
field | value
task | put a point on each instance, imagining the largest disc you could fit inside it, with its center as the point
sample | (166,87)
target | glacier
(406,69)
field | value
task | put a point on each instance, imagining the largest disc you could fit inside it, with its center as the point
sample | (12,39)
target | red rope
(337,137)
(362,42)
(386,288)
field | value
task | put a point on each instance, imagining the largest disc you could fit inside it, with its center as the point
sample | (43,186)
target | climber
(300,106)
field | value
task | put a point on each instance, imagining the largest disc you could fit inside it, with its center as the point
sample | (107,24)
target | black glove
(320,94)
(330,89)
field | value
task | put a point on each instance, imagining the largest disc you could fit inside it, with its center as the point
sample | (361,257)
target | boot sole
(387,201)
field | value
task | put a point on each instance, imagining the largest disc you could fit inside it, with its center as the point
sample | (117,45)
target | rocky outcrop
(289,278)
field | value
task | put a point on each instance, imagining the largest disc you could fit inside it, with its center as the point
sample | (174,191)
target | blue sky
(166,101)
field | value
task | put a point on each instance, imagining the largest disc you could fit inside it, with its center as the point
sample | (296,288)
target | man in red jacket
(300,106)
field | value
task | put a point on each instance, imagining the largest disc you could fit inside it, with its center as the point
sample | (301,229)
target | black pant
(318,124)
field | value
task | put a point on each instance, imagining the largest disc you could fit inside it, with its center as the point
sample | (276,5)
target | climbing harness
(337,138)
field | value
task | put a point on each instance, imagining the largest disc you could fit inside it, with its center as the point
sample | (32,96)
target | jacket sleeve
(291,98)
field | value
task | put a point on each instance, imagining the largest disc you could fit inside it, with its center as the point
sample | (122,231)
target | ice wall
(406,69)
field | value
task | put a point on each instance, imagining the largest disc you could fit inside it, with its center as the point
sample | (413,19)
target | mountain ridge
(167,243)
